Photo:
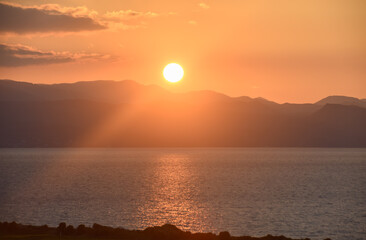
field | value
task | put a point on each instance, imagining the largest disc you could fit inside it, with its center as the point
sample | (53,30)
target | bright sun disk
(173,72)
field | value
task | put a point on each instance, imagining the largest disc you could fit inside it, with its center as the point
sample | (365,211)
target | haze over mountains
(128,114)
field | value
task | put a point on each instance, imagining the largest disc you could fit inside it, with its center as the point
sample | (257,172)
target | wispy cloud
(303,62)
(20,55)
(125,19)
(204,5)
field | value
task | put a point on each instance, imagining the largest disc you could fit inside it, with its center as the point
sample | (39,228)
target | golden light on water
(171,198)
(173,72)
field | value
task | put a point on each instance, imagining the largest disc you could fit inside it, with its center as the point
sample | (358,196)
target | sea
(312,193)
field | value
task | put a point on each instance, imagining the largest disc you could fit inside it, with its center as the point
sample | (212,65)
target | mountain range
(129,114)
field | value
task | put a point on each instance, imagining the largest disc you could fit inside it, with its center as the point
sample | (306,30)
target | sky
(285,51)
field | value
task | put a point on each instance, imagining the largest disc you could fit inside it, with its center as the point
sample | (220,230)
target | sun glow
(173,72)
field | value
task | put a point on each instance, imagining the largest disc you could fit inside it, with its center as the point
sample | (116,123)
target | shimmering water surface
(313,193)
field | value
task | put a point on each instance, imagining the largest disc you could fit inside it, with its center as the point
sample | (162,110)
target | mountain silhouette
(128,114)
(343,100)
(103,91)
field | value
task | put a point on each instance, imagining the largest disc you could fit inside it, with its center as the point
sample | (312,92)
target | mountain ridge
(134,115)
(76,90)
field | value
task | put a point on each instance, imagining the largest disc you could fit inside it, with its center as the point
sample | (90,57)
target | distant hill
(259,99)
(342,100)
(128,114)
(103,91)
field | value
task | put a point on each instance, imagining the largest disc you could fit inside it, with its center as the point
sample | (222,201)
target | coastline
(17,231)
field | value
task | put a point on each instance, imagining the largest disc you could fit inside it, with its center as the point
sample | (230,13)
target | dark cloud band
(22,20)
(19,55)
(15,56)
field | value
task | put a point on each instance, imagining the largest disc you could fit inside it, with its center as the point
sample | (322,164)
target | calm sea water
(315,193)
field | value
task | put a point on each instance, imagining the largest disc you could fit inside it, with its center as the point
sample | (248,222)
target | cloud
(51,18)
(128,14)
(126,19)
(20,55)
(307,63)
(46,18)
(192,22)
(204,5)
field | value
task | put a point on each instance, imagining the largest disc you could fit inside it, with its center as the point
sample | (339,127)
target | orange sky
(285,51)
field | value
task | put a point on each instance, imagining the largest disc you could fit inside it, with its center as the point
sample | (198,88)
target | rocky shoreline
(166,232)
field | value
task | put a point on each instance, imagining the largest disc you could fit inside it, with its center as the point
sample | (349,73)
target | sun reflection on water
(173,195)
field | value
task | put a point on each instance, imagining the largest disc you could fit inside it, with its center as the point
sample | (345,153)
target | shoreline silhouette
(19,231)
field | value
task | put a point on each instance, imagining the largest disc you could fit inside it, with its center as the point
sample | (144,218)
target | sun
(173,72)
